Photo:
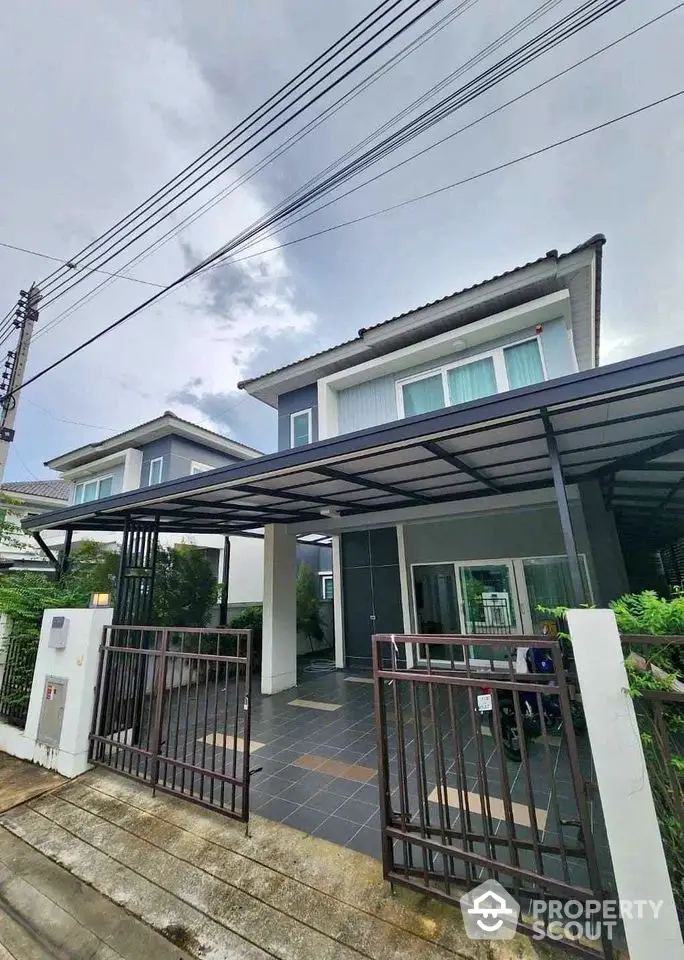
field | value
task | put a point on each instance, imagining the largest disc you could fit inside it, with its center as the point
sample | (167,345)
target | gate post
(634,839)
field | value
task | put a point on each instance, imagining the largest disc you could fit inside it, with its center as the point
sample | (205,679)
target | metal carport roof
(622,424)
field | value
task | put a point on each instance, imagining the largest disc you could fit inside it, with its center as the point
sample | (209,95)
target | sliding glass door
(465,598)
(437,606)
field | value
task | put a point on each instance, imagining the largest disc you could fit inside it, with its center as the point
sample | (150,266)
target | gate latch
(245,705)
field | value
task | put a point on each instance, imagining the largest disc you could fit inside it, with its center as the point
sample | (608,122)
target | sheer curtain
(422,396)
(523,364)
(549,584)
(471,381)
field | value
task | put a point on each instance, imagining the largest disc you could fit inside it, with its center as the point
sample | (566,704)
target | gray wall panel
(375,401)
(306,398)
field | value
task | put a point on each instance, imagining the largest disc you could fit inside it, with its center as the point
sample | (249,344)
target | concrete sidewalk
(194,876)
(46,913)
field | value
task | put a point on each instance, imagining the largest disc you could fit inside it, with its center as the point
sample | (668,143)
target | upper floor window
(505,368)
(326,586)
(197,467)
(300,428)
(155,473)
(93,490)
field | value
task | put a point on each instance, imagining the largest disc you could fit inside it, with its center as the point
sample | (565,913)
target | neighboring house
(476,566)
(18,501)
(162,449)
(165,449)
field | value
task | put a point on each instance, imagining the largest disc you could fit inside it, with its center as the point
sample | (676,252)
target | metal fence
(481,774)
(17,679)
(173,708)
(660,714)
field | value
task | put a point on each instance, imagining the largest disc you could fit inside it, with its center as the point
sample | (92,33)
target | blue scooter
(539,662)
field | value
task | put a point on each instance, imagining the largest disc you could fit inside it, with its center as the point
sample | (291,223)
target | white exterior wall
(77,664)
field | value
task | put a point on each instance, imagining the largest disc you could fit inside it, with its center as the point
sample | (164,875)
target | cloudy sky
(101,103)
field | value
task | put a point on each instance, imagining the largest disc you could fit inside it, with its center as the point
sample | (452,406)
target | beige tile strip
(220,740)
(521,814)
(314,704)
(553,741)
(358,679)
(336,768)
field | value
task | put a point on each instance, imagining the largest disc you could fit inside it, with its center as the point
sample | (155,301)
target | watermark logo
(490,912)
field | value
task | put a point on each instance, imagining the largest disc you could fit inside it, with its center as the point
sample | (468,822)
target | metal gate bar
(461,799)
(173,708)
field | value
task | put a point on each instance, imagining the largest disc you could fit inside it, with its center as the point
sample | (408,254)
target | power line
(160,215)
(77,423)
(74,266)
(23,463)
(329,111)
(443,140)
(578,19)
(234,130)
(395,206)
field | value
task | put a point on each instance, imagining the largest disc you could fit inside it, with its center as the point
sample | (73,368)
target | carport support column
(279,642)
(563,510)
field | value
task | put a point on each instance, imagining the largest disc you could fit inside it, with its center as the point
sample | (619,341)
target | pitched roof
(597,241)
(168,423)
(52,489)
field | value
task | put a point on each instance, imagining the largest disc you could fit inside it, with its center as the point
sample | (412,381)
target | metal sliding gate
(173,709)
(465,799)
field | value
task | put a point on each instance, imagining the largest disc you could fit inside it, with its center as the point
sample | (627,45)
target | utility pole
(15,365)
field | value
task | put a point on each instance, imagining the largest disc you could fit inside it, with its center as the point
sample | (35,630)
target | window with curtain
(93,490)
(156,467)
(549,585)
(300,428)
(523,364)
(471,381)
(422,396)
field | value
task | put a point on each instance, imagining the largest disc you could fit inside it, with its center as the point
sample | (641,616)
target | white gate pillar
(279,638)
(636,847)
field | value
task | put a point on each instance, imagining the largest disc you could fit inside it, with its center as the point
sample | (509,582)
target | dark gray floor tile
(305,818)
(356,811)
(366,841)
(336,830)
(344,788)
(276,808)
(326,801)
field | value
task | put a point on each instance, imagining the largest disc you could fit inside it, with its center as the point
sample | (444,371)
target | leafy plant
(185,587)
(251,618)
(661,723)
(308,605)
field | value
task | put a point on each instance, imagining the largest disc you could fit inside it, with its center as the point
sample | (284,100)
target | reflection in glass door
(489,603)
(436,599)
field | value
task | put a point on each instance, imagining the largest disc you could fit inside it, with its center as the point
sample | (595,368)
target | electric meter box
(52,711)
(59,631)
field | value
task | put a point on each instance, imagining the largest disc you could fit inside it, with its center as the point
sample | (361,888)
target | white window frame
(500,374)
(197,467)
(325,575)
(82,483)
(309,419)
(150,481)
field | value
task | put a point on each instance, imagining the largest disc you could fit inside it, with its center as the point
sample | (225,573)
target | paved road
(46,913)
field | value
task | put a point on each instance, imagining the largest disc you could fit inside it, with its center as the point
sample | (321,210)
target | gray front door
(371,591)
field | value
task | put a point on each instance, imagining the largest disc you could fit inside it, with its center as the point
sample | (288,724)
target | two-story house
(470,460)
(474,565)
(166,448)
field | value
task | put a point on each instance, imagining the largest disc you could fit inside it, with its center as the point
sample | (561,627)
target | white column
(279,643)
(631,824)
(76,664)
(338,597)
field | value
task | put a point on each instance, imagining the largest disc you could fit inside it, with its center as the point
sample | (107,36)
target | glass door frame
(520,598)
(458,565)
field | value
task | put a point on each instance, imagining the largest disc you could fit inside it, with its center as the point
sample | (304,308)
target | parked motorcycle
(538,661)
